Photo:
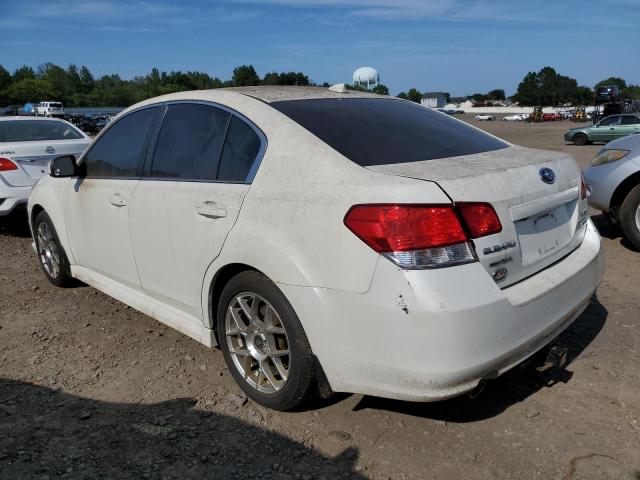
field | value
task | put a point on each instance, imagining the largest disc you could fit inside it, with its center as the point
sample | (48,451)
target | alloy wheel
(48,250)
(257,342)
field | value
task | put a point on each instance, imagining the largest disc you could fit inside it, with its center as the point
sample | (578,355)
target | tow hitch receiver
(556,358)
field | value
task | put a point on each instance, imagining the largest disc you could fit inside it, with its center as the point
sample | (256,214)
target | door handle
(117,200)
(211,209)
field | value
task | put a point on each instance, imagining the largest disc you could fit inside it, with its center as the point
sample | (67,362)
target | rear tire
(580,139)
(256,324)
(52,257)
(630,217)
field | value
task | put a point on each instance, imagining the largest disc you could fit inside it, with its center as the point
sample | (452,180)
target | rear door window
(629,120)
(190,142)
(241,148)
(120,151)
(371,131)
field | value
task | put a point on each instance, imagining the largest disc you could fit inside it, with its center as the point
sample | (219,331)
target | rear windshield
(371,131)
(33,130)
(55,105)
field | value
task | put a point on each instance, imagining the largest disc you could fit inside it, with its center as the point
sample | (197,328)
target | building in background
(367,77)
(433,99)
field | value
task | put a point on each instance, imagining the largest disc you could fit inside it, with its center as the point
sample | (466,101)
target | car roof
(267,94)
(31,117)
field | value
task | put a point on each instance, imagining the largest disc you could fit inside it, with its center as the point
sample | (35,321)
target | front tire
(52,257)
(263,342)
(630,217)
(580,139)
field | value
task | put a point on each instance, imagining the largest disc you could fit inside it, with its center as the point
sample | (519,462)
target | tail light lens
(422,236)
(6,165)
(481,219)
(583,189)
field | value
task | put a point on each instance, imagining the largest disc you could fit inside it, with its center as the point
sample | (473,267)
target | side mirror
(64,166)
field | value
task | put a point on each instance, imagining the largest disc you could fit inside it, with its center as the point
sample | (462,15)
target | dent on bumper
(430,335)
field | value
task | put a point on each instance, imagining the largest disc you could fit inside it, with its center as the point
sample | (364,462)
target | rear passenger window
(190,142)
(240,150)
(121,150)
(630,120)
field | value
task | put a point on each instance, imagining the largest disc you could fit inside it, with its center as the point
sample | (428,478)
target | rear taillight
(6,165)
(481,219)
(422,236)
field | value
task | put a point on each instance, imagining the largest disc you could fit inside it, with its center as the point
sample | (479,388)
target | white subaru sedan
(325,241)
(27,144)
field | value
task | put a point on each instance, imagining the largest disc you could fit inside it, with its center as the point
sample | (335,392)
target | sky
(457,46)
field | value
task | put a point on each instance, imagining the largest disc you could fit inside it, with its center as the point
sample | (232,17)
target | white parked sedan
(325,241)
(484,117)
(27,144)
(514,118)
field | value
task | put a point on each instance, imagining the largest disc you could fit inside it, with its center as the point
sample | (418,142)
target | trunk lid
(541,222)
(33,158)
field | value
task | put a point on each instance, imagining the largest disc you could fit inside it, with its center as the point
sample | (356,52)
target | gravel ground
(89,388)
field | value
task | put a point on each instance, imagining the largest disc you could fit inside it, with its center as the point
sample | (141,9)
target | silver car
(614,183)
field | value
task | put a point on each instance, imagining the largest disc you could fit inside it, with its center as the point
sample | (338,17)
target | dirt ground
(89,388)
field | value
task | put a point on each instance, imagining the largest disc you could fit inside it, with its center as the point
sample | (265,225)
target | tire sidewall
(627,217)
(300,357)
(580,139)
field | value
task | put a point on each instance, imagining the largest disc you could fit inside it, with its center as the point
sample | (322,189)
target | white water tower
(366,76)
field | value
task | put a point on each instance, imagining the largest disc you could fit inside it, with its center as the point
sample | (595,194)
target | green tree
(22,73)
(414,95)
(244,76)
(547,87)
(403,95)
(30,90)
(497,94)
(5,83)
(619,82)
(478,97)
(381,89)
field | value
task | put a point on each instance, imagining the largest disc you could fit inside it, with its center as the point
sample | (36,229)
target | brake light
(6,165)
(481,219)
(583,188)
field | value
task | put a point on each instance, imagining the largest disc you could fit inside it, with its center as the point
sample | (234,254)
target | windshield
(34,130)
(55,105)
(372,131)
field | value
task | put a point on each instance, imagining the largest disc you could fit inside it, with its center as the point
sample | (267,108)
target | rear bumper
(431,335)
(11,197)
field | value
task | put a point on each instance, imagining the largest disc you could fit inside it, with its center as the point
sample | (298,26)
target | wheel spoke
(240,353)
(280,367)
(264,368)
(269,321)
(242,328)
(280,353)
(245,308)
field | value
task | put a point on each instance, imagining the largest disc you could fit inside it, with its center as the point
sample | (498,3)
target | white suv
(50,109)
(326,241)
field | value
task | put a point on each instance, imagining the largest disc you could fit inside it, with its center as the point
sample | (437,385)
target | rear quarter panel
(291,225)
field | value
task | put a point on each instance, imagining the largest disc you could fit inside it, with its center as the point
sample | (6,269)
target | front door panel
(98,226)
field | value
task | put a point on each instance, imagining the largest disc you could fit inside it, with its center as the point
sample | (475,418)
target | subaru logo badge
(547,175)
